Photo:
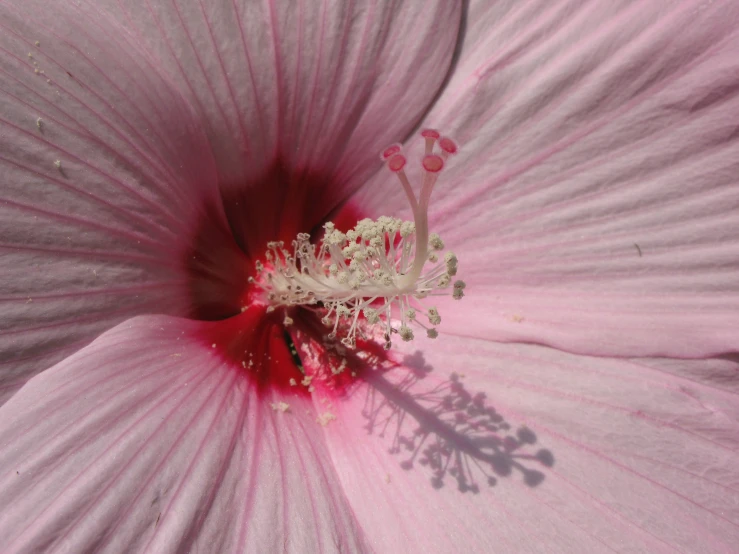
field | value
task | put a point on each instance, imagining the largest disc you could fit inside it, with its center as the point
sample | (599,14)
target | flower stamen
(360,280)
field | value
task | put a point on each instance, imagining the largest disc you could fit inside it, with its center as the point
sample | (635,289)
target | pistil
(374,274)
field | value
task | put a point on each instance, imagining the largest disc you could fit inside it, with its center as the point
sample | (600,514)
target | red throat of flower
(315,311)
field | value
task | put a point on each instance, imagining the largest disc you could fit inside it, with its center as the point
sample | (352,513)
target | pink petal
(314,87)
(148,441)
(542,451)
(594,203)
(104,235)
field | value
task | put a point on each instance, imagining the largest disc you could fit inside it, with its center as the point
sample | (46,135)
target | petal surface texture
(595,200)
(530,450)
(105,173)
(313,86)
(148,440)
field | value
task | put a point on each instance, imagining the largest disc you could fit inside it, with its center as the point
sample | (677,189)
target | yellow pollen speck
(37,43)
(517,318)
(387,478)
(280,406)
(58,164)
(340,368)
(293,382)
(325,418)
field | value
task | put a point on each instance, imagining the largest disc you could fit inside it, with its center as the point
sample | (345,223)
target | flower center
(376,276)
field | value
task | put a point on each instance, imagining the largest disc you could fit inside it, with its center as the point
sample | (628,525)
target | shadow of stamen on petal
(450,432)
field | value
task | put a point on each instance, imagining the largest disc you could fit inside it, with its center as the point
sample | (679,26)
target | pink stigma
(431,136)
(396,163)
(448,147)
(433,163)
(389,152)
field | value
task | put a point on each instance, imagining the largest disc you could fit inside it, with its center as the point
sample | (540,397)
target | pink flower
(582,397)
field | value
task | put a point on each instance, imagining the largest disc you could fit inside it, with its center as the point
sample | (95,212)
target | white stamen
(435,242)
(325,418)
(406,333)
(372,273)
(434,317)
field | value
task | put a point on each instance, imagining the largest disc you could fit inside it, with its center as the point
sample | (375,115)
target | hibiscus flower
(582,397)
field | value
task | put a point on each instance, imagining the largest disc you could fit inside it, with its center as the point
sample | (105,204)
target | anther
(406,333)
(458,292)
(434,317)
